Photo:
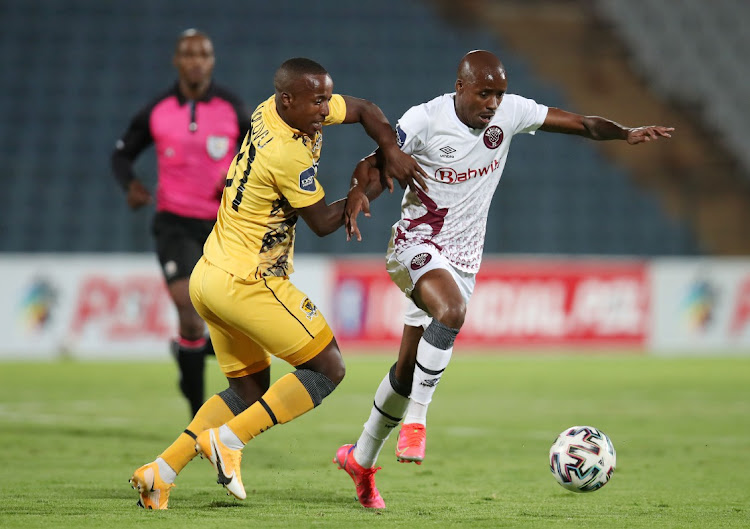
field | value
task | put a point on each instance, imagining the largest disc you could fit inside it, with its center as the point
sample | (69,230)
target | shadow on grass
(219,504)
(286,500)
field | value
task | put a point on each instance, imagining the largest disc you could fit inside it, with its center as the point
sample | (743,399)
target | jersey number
(241,187)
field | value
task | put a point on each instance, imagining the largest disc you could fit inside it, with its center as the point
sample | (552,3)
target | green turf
(73,432)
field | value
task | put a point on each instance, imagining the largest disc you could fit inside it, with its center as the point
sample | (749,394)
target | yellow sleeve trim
(337,110)
(309,200)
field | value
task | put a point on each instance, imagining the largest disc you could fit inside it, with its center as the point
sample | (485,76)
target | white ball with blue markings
(582,459)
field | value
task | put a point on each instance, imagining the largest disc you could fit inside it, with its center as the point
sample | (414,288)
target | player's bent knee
(452,316)
(192,333)
(234,402)
(337,371)
(439,335)
(328,362)
(317,384)
(191,325)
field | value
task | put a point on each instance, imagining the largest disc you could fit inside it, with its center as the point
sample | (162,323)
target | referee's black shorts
(179,243)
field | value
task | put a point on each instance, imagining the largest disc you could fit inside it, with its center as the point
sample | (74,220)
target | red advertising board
(516,303)
(122,309)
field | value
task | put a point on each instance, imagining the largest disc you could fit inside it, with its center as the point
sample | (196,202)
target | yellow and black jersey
(274,173)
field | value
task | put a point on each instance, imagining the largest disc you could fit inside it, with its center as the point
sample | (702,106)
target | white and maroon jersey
(464,166)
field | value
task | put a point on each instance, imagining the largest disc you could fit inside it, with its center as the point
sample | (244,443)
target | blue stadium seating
(696,52)
(79,69)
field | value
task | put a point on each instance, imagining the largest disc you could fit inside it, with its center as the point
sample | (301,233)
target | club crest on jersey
(493,137)
(307,179)
(217,146)
(419,260)
(308,308)
(400,136)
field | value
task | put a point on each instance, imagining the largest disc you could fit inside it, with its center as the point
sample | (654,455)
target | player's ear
(459,85)
(286,99)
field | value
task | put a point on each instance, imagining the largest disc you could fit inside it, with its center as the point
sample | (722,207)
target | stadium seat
(81,69)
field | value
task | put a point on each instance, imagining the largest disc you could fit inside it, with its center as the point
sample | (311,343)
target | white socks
(229,438)
(387,411)
(431,362)
(392,398)
(165,471)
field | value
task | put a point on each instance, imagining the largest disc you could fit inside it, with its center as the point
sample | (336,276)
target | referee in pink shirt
(196,127)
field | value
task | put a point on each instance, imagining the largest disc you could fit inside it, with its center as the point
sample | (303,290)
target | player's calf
(190,360)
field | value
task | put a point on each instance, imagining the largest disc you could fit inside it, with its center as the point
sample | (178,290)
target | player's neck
(458,113)
(194,92)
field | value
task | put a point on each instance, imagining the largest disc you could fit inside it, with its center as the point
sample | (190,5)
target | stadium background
(652,242)
(75,72)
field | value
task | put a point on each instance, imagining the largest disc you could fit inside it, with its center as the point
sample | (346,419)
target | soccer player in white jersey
(461,140)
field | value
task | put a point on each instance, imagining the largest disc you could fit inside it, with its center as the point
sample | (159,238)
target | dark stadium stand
(703,42)
(77,70)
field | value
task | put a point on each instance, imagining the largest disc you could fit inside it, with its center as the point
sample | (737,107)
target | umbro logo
(430,382)
(447,151)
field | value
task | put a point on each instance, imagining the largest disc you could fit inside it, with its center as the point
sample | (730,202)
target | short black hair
(294,68)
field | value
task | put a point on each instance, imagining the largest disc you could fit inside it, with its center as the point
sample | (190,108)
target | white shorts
(407,266)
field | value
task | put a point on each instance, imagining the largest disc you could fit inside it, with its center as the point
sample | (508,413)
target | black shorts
(179,243)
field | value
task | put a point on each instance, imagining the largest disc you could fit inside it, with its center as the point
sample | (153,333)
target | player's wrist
(391,150)
(355,192)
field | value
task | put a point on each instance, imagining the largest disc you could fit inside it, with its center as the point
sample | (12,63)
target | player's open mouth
(486,118)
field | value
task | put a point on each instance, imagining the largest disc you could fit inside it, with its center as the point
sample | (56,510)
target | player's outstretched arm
(598,128)
(397,165)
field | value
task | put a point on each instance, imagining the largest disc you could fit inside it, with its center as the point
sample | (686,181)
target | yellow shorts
(251,320)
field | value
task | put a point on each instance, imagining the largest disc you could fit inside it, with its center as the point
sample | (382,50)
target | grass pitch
(72,433)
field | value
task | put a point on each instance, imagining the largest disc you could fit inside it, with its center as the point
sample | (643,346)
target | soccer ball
(582,459)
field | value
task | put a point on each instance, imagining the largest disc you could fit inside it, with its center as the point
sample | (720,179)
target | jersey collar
(452,115)
(181,99)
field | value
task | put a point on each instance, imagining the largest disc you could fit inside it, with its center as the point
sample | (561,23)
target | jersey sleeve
(412,129)
(336,110)
(297,177)
(136,138)
(528,115)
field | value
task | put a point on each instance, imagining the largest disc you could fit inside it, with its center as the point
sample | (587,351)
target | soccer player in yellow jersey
(241,285)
